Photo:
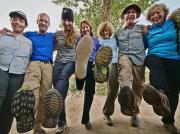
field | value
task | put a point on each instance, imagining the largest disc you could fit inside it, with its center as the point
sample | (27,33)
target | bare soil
(150,122)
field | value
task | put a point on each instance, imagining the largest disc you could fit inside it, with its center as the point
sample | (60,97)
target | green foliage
(92,10)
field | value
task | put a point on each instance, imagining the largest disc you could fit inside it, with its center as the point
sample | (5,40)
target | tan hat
(135,6)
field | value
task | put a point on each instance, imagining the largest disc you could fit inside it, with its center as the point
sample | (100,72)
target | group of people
(26,62)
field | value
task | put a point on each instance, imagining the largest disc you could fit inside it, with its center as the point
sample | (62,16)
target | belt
(44,61)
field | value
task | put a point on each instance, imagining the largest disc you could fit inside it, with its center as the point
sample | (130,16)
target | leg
(112,92)
(80,83)
(62,85)
(138,86)
(113,86)
(89,93)
(4,80)
(125,79)
(32,79)
(172,71)
(158,79)
(157,74)
(15,82)
(46,84)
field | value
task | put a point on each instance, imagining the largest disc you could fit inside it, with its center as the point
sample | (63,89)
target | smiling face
(157,13)
(158,16)
(18,24)
(105,33)
(43,23)
(67,24)
(130,16)
(85,29)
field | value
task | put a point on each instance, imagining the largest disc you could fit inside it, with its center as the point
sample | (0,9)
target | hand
(4,31)
(145,29)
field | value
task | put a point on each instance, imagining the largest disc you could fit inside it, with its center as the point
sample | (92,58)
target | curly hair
(104,26)
(156,7)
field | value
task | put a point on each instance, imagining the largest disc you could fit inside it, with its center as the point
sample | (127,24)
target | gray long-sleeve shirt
(130,43)
(14,53)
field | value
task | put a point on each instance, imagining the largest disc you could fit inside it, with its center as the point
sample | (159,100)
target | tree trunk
(107,10)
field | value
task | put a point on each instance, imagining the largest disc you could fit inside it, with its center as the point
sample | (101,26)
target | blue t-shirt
(43,45)
(161,40)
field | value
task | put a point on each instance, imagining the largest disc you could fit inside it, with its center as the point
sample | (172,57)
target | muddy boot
(126,101)
(53,105)
(23,109)
(83,52)
(102,60)
(158,100)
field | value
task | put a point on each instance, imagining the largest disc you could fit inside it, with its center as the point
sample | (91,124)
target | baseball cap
(20,14)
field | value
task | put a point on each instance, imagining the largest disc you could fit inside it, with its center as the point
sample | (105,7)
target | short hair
(43,14)
(105,26)
(152,9)
(87,23)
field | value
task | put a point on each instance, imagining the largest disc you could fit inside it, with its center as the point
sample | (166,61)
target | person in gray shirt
(15,51)
(131,63)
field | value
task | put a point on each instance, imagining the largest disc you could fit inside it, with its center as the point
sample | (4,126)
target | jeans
(61,74)
(89,92)
(9,84)
(164,75)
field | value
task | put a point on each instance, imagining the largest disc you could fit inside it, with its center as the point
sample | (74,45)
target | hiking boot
(88,126)
(108,120)
(53,105)
(172,129)
(83,52)
(23,109)
(101,73)
(39,131)
(61,129)
(135,121)
(126,101)
(102,60)
(157,99)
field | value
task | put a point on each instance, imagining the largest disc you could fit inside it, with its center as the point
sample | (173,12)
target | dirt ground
(150,123)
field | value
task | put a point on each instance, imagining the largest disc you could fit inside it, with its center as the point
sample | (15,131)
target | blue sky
(33,7)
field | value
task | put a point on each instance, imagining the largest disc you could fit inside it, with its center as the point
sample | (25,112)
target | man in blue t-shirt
(38,76)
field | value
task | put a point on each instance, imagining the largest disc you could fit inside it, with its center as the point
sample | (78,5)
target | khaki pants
(39,78)
(133,76)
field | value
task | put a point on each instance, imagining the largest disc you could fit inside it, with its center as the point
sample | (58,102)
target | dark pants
(9,84)
(165,75)
(89,92)
(61,74)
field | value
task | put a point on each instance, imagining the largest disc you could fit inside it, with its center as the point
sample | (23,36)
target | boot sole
(153,97)
(126,100)
(104,56)
(102,60)
(23,109)
(83,52)
(53,105)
